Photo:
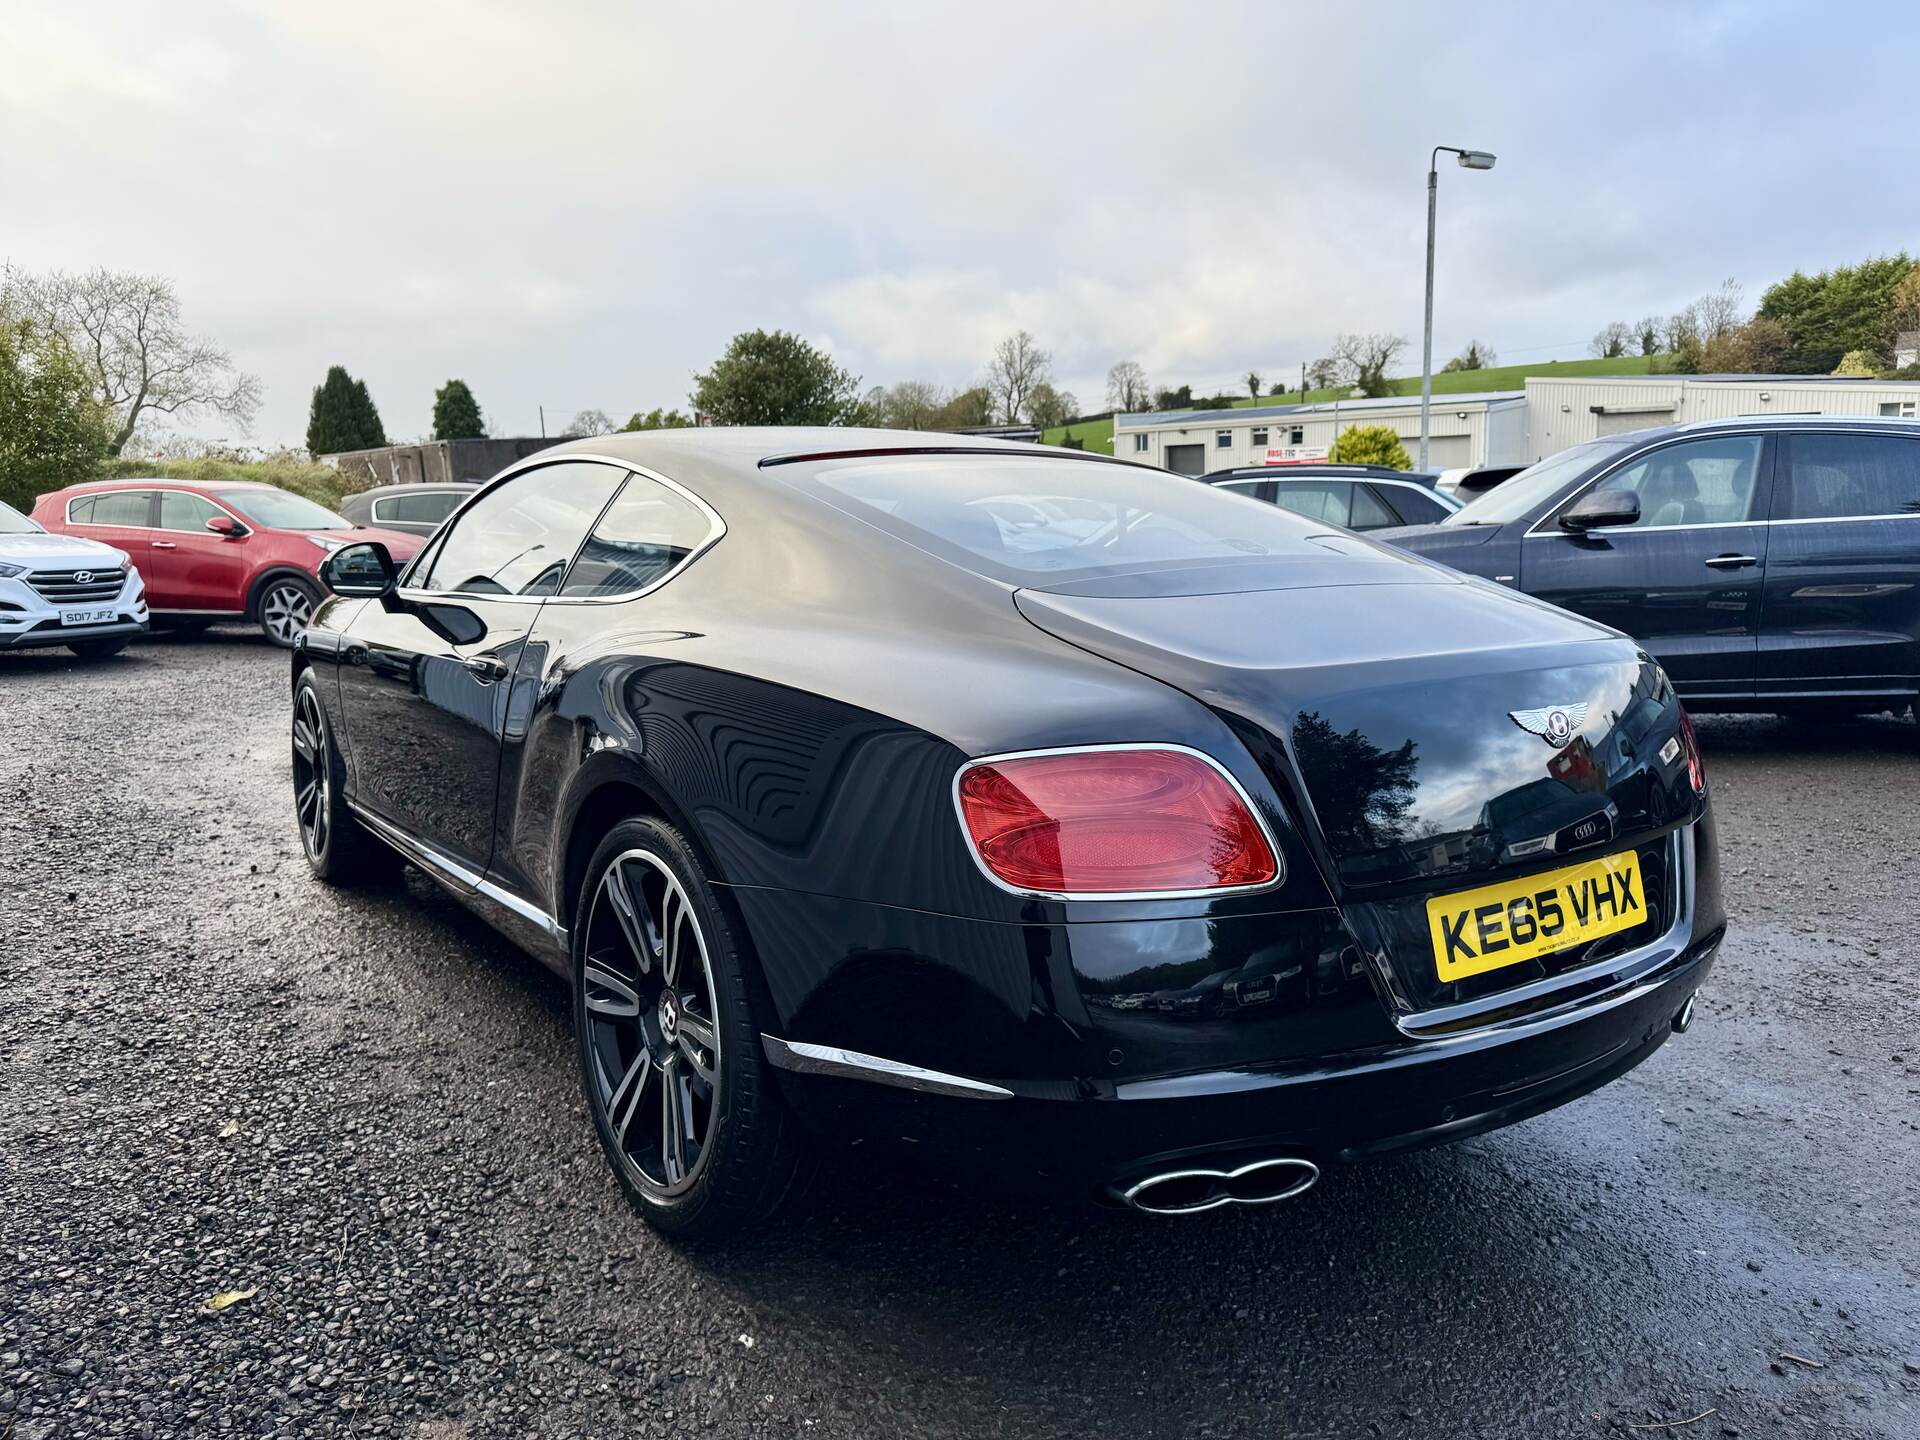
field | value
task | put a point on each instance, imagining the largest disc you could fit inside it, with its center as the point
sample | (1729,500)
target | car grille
(65,587)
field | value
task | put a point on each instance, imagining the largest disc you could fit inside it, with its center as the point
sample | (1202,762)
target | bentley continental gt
(1075,827)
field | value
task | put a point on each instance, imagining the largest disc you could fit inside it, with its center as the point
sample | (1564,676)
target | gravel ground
(360,1112)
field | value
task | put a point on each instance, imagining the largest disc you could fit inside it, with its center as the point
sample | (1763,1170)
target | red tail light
(1123,820)
(1696,767)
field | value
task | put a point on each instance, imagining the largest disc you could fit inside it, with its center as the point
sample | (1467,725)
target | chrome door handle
(484,668)
(1732,562)
(165,545)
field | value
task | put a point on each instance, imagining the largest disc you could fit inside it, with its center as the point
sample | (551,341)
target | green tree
(332,422)
(773,378)
(971,407)
(1860,364)
(1253,383)
(658,419)
(53,427)
(367,417)
(1048,407)
(1371,445)
(456,414)
(1850,307)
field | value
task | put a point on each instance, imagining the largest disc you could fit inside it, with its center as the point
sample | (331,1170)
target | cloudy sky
(577,204)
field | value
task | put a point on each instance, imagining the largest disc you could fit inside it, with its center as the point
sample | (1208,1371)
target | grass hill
(1097,435)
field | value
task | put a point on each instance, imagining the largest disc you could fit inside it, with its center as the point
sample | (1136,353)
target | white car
(63,590)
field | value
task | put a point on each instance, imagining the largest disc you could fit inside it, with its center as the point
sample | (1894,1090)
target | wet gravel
(360,1112)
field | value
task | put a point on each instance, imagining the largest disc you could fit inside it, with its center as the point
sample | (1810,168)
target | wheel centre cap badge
(669,1013)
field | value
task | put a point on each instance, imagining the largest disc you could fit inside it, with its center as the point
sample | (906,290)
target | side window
(647,533)
(1416,507)
(1328,501)
(429,508)
(1258,440)
(1252,489)
(1830,477)
(181,511)
(80,512)
(1140,444)
(519,538)
(1698,482)
(1368,512)
(123,507)
(1223,439)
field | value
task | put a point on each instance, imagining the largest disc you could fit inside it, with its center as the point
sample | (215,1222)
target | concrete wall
(434,461)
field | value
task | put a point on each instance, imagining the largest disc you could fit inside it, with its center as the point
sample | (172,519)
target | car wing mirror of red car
(228,526)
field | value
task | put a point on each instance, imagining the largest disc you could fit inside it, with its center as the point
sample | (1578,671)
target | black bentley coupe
(1082,829)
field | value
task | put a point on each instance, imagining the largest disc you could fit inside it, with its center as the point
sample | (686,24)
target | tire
(731,1152)
(99,649)
(338,847)
(285,608)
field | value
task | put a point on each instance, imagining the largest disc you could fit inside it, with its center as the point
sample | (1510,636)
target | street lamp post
(1470,160)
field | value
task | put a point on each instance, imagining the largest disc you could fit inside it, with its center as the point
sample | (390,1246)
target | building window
(1223,439)
(1898,409)
(1297,436)
(1259,439)
(1140,443)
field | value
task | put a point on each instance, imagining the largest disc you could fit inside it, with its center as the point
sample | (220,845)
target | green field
(1097,435)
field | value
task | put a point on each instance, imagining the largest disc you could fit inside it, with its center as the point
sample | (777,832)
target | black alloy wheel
(669,1053)
(337,846)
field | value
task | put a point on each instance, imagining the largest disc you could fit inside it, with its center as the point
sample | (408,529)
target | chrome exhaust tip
(1685,1018)
(1195,1191)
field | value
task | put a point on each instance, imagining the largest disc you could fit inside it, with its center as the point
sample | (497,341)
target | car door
(1410,504)
(1685,578)
(193,568)
(1841,613)
(427,674)
(120,518)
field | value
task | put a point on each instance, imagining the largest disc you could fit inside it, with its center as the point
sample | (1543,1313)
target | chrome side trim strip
(805,1059)
(452,872)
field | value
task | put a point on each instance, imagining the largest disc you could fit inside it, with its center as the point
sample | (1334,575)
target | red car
(218,551)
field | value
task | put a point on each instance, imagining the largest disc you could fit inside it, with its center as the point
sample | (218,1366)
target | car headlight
(11,572)
(325,544)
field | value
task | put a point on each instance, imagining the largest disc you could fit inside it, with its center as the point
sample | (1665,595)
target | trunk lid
(1433,733)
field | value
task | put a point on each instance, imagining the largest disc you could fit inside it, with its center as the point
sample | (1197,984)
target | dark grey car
(413,509)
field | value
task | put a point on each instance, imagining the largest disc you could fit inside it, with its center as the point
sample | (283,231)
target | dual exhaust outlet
(1198,1189)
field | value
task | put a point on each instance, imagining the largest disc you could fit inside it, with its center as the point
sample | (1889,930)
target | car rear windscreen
(1030,520)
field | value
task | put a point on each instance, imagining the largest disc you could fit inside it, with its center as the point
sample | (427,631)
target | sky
(576,205)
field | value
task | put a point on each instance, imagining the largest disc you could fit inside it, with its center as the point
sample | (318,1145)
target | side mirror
(226,525)
(1599,508)
(365,570)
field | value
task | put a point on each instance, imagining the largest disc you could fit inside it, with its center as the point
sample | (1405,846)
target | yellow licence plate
(1479,930)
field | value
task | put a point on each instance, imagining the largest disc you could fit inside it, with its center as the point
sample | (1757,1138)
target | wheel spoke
(304,740)
(699,1028)
(624,1001)
(625,1101)
(620,897)
(700,1064)
(673,1135)
(305,801)
(672,915)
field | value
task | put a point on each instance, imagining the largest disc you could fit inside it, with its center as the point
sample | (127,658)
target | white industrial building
(1485,428)
(1495,427)
(1571,411)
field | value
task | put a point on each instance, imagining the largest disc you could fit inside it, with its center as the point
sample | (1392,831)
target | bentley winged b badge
(1555,724)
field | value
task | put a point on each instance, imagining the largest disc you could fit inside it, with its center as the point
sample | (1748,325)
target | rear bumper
(1061,1059)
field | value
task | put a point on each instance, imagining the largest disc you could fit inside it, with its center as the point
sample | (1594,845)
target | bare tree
(1364,359)
(1611,341)
(1127,387)
(1720,311)
(126,330)
(588,422)
(1018,365)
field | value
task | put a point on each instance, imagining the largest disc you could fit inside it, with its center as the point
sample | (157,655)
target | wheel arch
(257,587)
(609,788)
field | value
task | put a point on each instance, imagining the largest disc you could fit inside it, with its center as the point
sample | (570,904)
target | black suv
(1767,563)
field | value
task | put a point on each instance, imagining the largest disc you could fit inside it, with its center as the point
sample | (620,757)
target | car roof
(147,482)
(420,487)
(1426,478)
(1805,420)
